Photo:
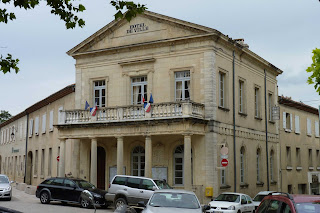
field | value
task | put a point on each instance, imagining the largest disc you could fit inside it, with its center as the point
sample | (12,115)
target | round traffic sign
(58,158)
(224,162)
(224,150)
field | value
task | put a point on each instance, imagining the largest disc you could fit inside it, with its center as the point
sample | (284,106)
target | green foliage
(66,11)
(4,116)
(132,9)
(315,70)
(8,63)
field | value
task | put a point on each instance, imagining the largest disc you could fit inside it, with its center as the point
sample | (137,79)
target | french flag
(93,110)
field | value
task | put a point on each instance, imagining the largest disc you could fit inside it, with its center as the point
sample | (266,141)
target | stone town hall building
(188,69)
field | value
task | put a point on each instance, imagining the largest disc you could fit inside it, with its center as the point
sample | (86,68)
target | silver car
(5,187)
(173,201)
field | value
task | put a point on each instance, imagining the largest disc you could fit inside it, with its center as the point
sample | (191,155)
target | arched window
(258,165)
(271,166)
(178,165)
(242,165)
(138,161)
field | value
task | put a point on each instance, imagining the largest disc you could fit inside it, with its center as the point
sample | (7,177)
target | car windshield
(308,207)
(174,200)
(3,179)
(228,198)
(258,198)
(84,184)
(162,184)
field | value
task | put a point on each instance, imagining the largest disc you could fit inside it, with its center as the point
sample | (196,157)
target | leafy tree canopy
(67,11)
(4,116)
(314,69)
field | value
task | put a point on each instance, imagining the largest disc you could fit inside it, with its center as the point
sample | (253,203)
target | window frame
(140,84)
(99,88)
(186,78)
(257,104)
(242,96)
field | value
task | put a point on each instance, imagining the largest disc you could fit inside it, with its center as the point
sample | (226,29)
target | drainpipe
(266,118)
(26,156)
(234,124)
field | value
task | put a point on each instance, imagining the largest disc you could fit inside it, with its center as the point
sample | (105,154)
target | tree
(4,116)
(67,13)
(315,70)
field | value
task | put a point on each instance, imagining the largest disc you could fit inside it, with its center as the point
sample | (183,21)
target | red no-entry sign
(58,158)
(224,162)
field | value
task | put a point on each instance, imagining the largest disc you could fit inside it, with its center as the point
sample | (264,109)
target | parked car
(129,190)
(230,202)
(5,187)
(68,190)
(259,197)
(173,201)
(287,203)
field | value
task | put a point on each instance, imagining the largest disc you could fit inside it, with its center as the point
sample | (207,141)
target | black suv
(68,190)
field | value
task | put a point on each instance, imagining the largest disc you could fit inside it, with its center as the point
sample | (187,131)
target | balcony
(168,110)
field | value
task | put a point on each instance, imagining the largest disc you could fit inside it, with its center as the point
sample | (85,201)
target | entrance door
(29,168)
(138,161)
(101,170)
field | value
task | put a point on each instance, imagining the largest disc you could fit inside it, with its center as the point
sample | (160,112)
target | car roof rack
(282,193)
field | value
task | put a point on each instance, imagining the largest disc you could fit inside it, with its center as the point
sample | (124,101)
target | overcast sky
(284,32)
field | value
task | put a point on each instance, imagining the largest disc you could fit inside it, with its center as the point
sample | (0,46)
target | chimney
(241,41)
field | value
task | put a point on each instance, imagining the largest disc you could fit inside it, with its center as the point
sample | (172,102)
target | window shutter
(30,127)
(316,128)
(25,129)
(10,139)
(291,121)
(51,121)
(60,115)
(36,126)
(284,120)
(44,122)
(21,130)
(308,126)
(297,124)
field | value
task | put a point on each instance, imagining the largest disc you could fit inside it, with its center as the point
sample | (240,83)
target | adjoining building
(187,69)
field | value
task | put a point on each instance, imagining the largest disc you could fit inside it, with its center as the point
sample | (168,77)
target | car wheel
(45,197)
(239,211)
(84,203)
(120,203)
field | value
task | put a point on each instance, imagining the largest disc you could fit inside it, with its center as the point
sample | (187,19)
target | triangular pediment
(144,28)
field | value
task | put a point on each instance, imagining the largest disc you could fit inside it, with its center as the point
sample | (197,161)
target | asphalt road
(30,204)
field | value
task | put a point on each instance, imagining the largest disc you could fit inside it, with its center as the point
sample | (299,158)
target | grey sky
(283,32)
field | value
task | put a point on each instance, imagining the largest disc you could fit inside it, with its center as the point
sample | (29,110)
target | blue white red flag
(147,107)
(93,110)
(151,99)
(87,106)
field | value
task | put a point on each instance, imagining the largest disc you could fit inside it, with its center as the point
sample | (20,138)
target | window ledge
(41,176)
(309,135)
(223,108)
(311,168)
(260,183)
(258,118)
(288,130)
(243,114)
(272,122)
(297,133)
(225,187)
(318,167)
(244,185)
(273,182)
(35,176)
(289,168)
(299,168)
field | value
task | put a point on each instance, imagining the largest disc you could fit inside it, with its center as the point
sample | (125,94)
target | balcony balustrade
(134,112)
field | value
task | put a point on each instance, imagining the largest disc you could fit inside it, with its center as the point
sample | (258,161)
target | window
(99,91)
(133,182)
(272,166)
(287,121)
(316,128)
(270,102)
(288,152)
(138,161)
(42,162)
(310,158)
(223,176)
(36,163)
(49,161)
(36,126)
(182,85)
(51,121)
(58,182)
(309,131)
(273,207)
(178,165)
(318,157)
(61,115)
(69,183)
(222,89)
(44,123)
(258,165)
(256,102)
(242,165)
(120,180)
(241,97)
(297,124)
(298,157)
(139,86)
(147,185)
(290,189)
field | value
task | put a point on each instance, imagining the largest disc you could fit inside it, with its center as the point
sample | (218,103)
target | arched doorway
(101,170)
(29,169)
(138,161)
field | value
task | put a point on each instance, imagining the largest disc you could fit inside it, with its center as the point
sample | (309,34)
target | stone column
(187,163)
(148,157)
(62,158)
(93,172)
(76,158)
(120,155)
